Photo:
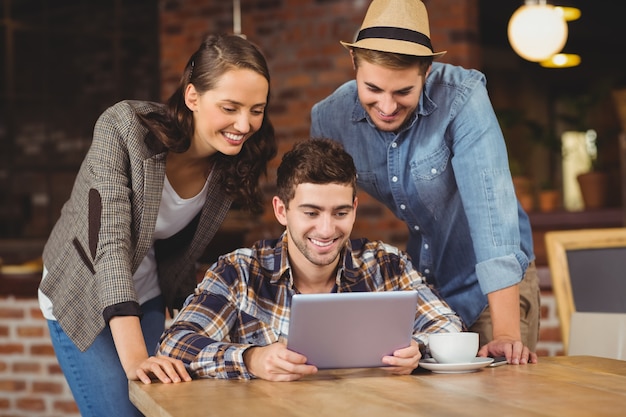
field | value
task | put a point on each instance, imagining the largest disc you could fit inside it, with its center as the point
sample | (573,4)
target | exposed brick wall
(300,39)
(31,382)
(550,342)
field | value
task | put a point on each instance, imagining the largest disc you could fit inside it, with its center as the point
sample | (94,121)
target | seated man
(235,325)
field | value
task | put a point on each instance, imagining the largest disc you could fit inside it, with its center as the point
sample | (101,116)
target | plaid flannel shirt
(244,300)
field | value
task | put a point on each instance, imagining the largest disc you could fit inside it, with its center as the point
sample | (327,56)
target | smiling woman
(224,118)
(152,192)
(229,113)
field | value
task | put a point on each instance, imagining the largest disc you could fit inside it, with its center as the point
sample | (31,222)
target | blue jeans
(96,377)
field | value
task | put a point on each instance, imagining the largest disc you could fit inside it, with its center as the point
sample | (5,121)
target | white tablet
(351,330)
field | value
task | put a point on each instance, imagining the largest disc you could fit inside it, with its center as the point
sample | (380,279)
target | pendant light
(537,30)
(561,61)
(569,13)
(237,19)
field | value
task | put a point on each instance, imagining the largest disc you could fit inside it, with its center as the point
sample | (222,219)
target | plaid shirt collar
(345,271)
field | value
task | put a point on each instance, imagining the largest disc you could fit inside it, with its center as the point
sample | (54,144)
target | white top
(174,214)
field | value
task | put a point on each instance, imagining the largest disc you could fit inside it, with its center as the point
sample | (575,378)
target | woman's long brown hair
(173,129)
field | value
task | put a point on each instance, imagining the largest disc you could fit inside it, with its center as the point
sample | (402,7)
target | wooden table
(555,387)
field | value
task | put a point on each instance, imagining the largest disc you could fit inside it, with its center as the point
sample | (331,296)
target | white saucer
(455,368)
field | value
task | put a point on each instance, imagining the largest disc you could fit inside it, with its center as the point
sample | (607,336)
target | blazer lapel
(154,176)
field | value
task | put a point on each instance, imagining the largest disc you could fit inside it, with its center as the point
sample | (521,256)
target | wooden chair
(588,270)
(598,334)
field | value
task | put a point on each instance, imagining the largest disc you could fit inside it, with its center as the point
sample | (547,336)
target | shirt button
(433,170)
(425,245)
(402,207)
(394,179)
(427,271)
(416,228)
(394,145)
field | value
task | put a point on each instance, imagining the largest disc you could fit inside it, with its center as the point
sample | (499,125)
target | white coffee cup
(458,347)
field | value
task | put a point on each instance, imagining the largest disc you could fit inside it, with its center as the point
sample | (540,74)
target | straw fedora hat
(399,26)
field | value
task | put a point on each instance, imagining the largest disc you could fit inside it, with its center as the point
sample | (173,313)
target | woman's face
(226,116)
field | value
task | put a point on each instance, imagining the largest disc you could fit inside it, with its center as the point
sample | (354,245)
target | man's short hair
(315,161)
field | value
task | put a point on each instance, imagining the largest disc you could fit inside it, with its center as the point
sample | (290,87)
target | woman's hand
(163,368)
(133,354)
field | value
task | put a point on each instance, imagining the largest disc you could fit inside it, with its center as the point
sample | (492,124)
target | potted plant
(579,113)
(549,194)
(549,197)
(594,184)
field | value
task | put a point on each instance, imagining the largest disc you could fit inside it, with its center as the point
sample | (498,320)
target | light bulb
(537,31)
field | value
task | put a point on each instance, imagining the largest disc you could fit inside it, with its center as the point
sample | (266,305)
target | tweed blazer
(106,228)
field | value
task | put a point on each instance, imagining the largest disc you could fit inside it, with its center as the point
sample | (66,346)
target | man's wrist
(507,335)
(248,358)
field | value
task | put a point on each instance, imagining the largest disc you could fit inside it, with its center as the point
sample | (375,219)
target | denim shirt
(446,175)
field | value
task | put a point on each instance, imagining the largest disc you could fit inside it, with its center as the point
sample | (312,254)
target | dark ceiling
(597,28)
(597,36)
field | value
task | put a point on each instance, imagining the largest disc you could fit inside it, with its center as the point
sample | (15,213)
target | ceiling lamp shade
(568,13)
(537,31)
(561,61)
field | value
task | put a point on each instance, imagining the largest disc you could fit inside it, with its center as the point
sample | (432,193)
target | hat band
(400,34)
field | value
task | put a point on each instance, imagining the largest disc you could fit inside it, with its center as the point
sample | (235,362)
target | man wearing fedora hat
(427,144)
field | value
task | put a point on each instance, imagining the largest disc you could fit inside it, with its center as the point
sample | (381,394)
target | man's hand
(514,351)
(164,368)
(403,361)
(276,363)
(505,317)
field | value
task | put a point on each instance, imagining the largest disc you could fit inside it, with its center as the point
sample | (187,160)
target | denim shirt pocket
(434,181)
